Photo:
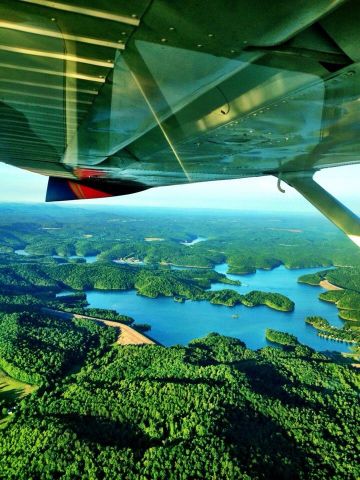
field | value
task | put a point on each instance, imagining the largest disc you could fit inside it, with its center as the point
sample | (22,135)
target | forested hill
(346,296)
(162,236)
(212,410)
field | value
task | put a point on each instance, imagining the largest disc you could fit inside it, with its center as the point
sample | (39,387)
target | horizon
(252,194)
(103,207)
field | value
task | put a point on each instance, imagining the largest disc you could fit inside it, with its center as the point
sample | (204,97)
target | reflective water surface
(178,323)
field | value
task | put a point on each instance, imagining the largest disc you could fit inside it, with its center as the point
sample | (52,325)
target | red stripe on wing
(85,192)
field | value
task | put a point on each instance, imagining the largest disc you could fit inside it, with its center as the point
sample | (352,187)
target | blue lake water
(178,323)
(22,252)
(88,259)
(194,242)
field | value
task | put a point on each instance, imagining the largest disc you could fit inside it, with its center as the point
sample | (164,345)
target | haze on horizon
(258,193)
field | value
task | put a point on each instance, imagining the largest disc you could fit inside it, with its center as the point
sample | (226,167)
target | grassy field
(11,391)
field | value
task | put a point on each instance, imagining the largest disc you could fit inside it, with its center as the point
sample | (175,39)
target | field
(11,391)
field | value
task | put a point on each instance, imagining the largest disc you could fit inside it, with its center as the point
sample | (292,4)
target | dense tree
(211,410)
(347,299)
(345,334)
(36,347)
(281,338)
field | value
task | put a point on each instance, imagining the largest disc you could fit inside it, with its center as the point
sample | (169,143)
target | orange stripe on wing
(75,188)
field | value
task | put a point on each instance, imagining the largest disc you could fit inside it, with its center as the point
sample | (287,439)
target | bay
(178,323)
(88,258)
(22,252)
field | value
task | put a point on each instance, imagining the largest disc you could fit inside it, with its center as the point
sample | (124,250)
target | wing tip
(62,189)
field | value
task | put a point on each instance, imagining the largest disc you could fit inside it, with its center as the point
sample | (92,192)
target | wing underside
(123,96)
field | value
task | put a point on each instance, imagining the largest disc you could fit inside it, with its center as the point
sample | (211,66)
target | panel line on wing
(91,12)
(79,76)
(66,36)
(58,56)
(12,82)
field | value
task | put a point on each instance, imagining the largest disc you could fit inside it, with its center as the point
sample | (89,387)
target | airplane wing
(110,98)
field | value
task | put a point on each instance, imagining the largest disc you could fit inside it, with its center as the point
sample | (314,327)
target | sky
(261,193)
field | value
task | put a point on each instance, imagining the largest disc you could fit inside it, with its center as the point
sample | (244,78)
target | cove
(194,241)
(178,323)
(88,258)
(22,252)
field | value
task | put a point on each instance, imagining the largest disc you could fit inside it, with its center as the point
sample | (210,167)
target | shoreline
(329,286)
(166,264)
(127,334)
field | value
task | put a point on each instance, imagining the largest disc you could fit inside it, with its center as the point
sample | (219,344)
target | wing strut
(334,210)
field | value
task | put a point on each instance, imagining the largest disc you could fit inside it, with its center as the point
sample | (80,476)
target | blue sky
(246,194)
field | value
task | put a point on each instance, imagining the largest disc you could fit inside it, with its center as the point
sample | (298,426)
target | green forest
(76,405)
(282,338)
(36,347)
(347,298)
(149,281)
(293,240)
(346,334)
(211,410)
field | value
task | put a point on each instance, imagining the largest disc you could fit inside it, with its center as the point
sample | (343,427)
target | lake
(194,242)
(22,252)
(88,258)
(178,323)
